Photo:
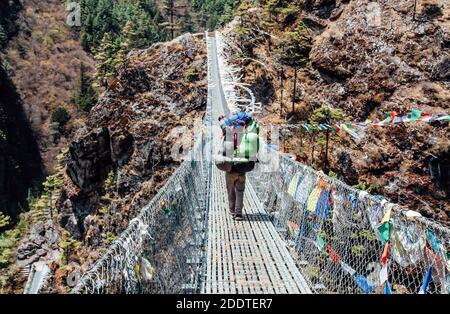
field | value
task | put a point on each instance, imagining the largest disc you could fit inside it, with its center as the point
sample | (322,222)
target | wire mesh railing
(162,248)
(348,241)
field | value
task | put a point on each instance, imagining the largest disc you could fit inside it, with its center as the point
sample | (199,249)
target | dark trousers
(235,187)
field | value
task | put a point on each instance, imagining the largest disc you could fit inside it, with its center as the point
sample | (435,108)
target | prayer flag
(384,230)
(426,281)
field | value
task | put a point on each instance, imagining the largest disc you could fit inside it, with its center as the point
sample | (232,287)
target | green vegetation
(9,240)
(364,187)
(110,237)
(86,97)
(105,60)
(106,16)
(125,46)
(69,245)
(4,220)
(192,75)
(295,50)
(53,184)
(110,182)
(358,250)
(171,10)
(60,116)
(213,13)
(290,7)
(329,116)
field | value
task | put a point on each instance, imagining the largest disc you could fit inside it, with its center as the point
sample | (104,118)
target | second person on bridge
(237,156)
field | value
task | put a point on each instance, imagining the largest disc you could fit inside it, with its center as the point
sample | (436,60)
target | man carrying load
(237,156)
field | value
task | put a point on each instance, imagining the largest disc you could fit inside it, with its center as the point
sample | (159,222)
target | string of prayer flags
(392,118)
(426,281)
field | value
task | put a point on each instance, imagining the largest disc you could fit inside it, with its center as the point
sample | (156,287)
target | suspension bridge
(303,232)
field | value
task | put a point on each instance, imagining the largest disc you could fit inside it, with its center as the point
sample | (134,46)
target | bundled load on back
(240,144)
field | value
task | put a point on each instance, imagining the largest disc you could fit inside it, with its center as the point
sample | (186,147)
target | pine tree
(227,14)
(105,60)
(294,52)
(171,11)
(270,8)
(86,97)
(125,46)
(244,24)
(329,116)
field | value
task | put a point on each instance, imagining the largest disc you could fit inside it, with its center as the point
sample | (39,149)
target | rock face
(368,58)
(128,134)
(40,244)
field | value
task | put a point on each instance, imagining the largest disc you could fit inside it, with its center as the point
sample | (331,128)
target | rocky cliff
(128,134)
(367,58)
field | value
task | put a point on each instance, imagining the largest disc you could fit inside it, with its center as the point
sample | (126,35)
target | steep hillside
(43,61)
(368,59)
(119,159)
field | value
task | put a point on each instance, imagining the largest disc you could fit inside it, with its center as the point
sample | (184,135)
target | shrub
(68,245)
(192,75)
(61,116)
(4,220)
(86,98)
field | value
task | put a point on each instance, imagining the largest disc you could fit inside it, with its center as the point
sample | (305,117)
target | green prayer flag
(320,242)
(415,114)
(385,231)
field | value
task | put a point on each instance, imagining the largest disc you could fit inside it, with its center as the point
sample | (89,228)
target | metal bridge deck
(243,256)
(246,256)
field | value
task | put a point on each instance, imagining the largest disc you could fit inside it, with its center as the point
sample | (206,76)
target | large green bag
(249,145)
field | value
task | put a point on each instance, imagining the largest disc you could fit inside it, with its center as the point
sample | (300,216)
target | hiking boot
(238,217)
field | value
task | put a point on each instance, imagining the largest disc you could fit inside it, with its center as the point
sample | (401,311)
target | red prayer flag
(385,254)
(333,255)
(393,115)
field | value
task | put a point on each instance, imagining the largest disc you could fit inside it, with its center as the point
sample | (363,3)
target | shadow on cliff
(20,160)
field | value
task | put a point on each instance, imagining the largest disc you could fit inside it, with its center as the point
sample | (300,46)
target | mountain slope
(366,58)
